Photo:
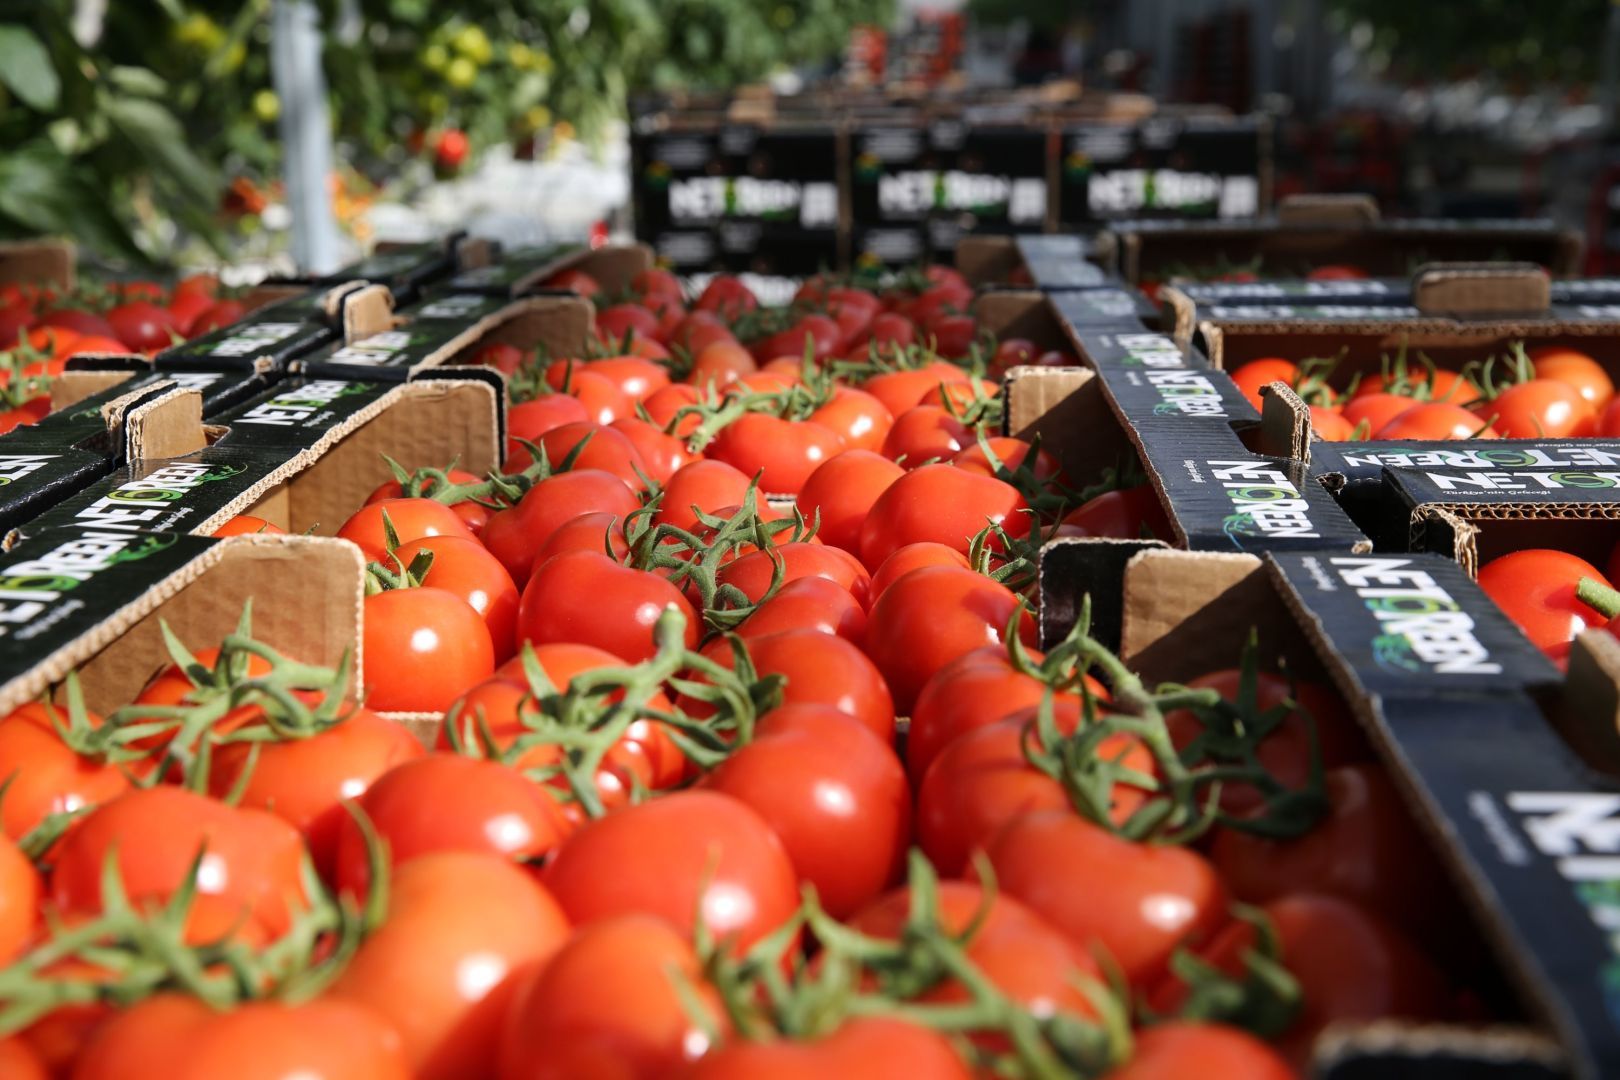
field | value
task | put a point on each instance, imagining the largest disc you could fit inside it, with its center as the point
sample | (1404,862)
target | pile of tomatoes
(741,762)
(1554,595)
(42,327)
(1547,392)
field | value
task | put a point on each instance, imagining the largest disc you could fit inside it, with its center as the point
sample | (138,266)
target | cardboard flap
(72,387)
(1394,1048)
(47,259)
(472,252)
(366,311)
(986,258)
(615,265)
(1434,528)
(1589,715)
(1020,313)
(1285,423)
(1163,589)
(1183,312)
(1339,211)
(169,427)
(1481,289)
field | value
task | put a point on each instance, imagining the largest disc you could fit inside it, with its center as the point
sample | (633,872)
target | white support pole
(306,132)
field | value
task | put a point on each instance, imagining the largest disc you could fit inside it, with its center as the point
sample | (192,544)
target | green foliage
(1554,40)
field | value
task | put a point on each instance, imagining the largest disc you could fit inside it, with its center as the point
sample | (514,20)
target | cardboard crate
(1466,716)
(513,272)
(1319,230)
(405,269)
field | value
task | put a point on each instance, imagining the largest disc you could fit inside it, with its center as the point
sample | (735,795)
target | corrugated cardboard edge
(1589,715)
(363,310)
(1285,423)
(1336,211)
(562,324)
(47,260)
(1436,528)
(1183,583)
(72,387)
(1025,313)
(985,258)
(1350,1044)
(167,427)
(1184,312)
(313,564)
(1481,289)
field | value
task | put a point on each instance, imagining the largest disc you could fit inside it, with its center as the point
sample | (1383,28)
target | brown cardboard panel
(985,258)
(72,387)
(306,595)
(1285,424)
(1183,313)
(559,324)
(1344,211)
(1481,289)
(43,260)
(365,309)
(1021,314)
(1588,715)
(615,265)
(169,427)
(1070,413)
(1393,1048)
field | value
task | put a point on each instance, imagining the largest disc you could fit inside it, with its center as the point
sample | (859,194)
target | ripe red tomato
(615,1000)
(782,452)
(42,775)
(810,603)
(865,1048)
(657,283)
(142,325)
(700,329)
(903,390)
(516,536)
(635,376)
(930,617)
(1436,421)
(577,281)
(1330,425)
(1375,410)
(1143,900)
(1336,272)
(216,316)
(175,1036)
(412,519)
(990,456)
(1251,376)
(888,330)
(438,969)
(976,689)
(1178,1049)
(185,307)
(703,485)
(842,491)
(465,567)
(613,323)
(727,297)
(1127,514)
(820,334)
(606,448)
(1012,352)
(20,892)
(1539,409)
(860,420)
(753,572)
(684,856)
(80,321)
(248,525)
(446,802)
(926,433)
(940,503)
(1576,369)
(306,781)
(661,454)
(472,513)
(587,598)
(953,334)
(532,419)
(821,669)
(423,648)
(15,318)
(909,557)
(1536,588)
(18,1061)
(720,363)
(248,885)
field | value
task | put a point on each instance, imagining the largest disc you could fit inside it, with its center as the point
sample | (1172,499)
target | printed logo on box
(1507,469)
(253,338)
(1423,628)
(135,504)
(32,590)
(295,406)
(16,466)
(1266,502)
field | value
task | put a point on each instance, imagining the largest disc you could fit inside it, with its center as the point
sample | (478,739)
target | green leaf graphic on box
(37,583)
(1235,525)
(149,546)
(26,69)
(222,472)
(1394,651)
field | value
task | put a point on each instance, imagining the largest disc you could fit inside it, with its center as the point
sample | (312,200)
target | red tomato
(1178,1049)
(1375,410)
(721,363)
(186,306)
(576,281)
(142,325)
(587,598)
(179,1037)
(532,419)
(306,781)
(901,391)
(1129,514)
(656,283)
(465,567)
(820,334)
(248,525)
(501,356)
(1436,421)
(940,503)
(1609,422)
(1367,850)
(990,456)
(15,318)
(860,420)
(28,413)
(1158,897)
(702,485)
(1576,369)
(438,969)
(604,448)
(1539,409)
(727,297)
(930,617)
(842,491)
(782,452)
(953,334)
(20,891)
(926,433)
(80,321)
(42,775)
(412,519)
(909,557)
(446,802)
(1536,588)
(662,406)
(1012,352)
(611,1003)
(660,454)
(821,669)
(976,689)
(600,396)
(833,792)
(1336,272)
(1251,376)
(613,323)
(19,1062)
(865,1048)
(515,536)
(890,330)
(594,531)
(248,885)
(752,573)
(634,376)
(422,648)
(810,603)
(693,854)
(216,316)
(1330,425)
(700,329)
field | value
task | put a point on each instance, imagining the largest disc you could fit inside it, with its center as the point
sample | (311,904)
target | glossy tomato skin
(842,491)
(515,536)
(1158,897)
(1539,409)
(18,1061)
(943,504)
(661,454)
(1436,420)
(687,855)
(925,433)
(992,456)
(860,420)
(446,802)
(20,893)
(820,669)
(1180,1049)
(142,325)
(1330,425)
(423,648)
(834,794)
(1127,514)
(604,448)
(247,525)
(1575,369)
(465,567)
(703,485)
(1372,411)
(976,689)
(908,557)
(782,452)
(753,572)
(44,776)
(585,597)
(932,616)
(860,1049)
(1536,588)
(901,391)
(608,1004)
(532,419)
(439,968)
(306,781)
(1258,373)
(412,519)
(810,603)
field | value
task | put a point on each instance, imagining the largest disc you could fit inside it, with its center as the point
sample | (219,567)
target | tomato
(974,690)
(14,320)
(684,856)
(1575,369)
(42,775)
(833,792)
(501,356)
(1286,752)
(532,419)
(821,669)
(1367,850)
(613,323)
(654,283)
(909,557)
(516,536)
(1012,352)
(960,395)
(752,573)
(1350,964)
(611,1003)
(721,363)
(1539,409)
(465,567)
(700,329)
(412,519)
(20,891)
(585,597)
(248,525)
(79,321)
(1609,422)
(305,781)
(926,433)
(818,333)
(990,456)
(459,924)
(174,1037)
(861,421)
(19,1062)
(865,1048)
(1330,425)
(216,316)
(660,454)
(576,281)
(604,448)
(810,603)
(1143,900)
(890,330)
(727,297)
(842,491)
(248,885)
(1336,272)
(142,325)
(1127,514)
(635,377)
(930,617)
(185,307)
(901,391)
(953,334)
(599,396)
(1536,588)
(782,452)
(940,503)
(423,648)
(446,802)
(1178,1049)
(593,531)
(1435,421)
(1255,374)
(1375,410)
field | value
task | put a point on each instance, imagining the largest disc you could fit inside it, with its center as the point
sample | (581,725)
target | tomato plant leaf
(157,136)
(26,68)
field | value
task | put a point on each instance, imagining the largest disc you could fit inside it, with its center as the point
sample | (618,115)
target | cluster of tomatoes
(1547,392)
(669,823)
(42,327)
(1554,595)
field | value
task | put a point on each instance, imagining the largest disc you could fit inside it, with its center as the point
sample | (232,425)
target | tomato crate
(1047,263)
(498,270)
(1331,235)
(1480,741)
(405,269)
